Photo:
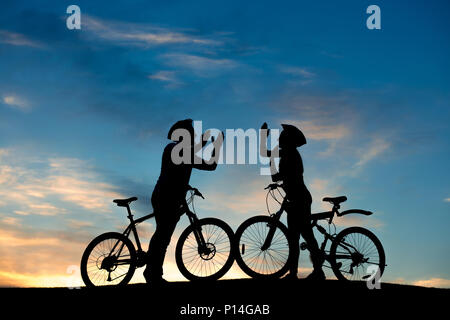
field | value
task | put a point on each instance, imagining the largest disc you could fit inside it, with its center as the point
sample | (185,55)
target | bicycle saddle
(335,200)
(124,202)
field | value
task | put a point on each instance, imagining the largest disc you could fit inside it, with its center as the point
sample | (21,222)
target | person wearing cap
(169,194)
(298,206)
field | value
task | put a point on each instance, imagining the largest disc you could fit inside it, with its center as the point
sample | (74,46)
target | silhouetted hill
(286,300)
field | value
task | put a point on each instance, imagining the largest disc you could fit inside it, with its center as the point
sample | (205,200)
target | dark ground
(286,300)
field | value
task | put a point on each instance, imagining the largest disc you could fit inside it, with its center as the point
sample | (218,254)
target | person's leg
(313,247)
(293,238)
(311,242)
(166,220)
(158,248)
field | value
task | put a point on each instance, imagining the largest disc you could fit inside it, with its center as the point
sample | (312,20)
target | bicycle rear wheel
(253,260)
(211,262)
(108,260)
(354,250)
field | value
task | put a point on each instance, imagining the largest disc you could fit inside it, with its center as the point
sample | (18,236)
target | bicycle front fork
(272,228)
(202,248)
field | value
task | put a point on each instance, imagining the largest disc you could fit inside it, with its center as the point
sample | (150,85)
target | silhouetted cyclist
(290,173)
(168,197)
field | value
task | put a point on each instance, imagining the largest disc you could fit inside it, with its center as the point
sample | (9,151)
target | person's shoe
(147,275)
(316,275)
(154,281)
(290,277)
(158,282)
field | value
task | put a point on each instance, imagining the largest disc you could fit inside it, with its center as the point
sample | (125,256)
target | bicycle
(203,250)
(262,248)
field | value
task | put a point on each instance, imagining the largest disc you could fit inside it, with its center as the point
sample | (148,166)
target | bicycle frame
(314,218)
(131,229)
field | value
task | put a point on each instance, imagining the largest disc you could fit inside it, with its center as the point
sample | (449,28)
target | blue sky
(84,116)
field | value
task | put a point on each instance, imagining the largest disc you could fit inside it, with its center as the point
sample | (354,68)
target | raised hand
(265,127)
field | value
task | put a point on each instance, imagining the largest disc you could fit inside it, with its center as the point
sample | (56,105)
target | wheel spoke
(218,244)
(98,269)
(263,262)
(355,251)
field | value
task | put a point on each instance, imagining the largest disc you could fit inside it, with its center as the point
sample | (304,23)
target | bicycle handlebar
(273,186)
(196,192)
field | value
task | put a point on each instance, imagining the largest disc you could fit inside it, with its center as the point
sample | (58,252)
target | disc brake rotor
(209,252)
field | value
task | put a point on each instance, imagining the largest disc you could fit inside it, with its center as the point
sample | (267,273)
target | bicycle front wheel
(255,260)
(208,262)
(109,259)
(354,251)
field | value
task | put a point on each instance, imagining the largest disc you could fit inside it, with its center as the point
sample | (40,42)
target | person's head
(178,130)
(291,137)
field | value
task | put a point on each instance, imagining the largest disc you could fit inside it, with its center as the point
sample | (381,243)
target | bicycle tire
(345,233)
(115,236)
(188,272)
(246,225)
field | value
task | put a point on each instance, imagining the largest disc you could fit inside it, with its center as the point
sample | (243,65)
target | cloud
(3,152)
(42,209)
(331,54)
(323,106)
(168,76)
(201,66)
(79,224)
(30,191)
(11,221)
(398,281)
(247,204)
(16,102)
(143,35)
(329,119)
(297,71)
(335,121)
(433,282)
(17,39)
(321,188)
(353,220)
(447,200)
(33,258)
(314,130)
(13,241)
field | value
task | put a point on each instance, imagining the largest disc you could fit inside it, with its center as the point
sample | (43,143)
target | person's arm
(205,166)
(272,154)
(211,165)
(264,152)
(276,175)
(264,133)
